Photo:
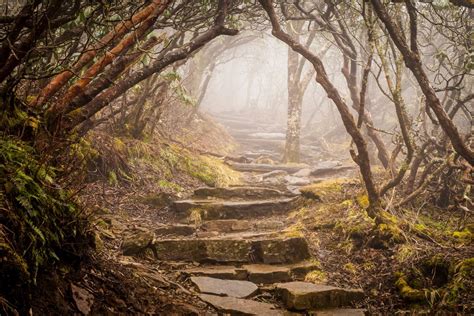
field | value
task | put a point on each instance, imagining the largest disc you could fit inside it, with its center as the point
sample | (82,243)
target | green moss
(165,184)
(350,267)
(112,178)
(405,252)
(407,292)
(463,236)
(363,201)
(325,189)
(294,230)
(316,276)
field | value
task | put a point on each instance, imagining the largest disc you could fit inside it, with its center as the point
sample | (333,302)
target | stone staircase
(233,248)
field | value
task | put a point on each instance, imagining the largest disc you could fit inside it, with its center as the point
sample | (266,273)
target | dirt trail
(235,249)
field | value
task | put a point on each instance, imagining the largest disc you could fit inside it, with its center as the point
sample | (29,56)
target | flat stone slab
(211,209)
(339,312)
(233,288)
(237,248)
(220,272)
(239,192)
(305,296)
(175,230)
(256,167)
(268,274)
(238,306)
(226,225)
(293,180)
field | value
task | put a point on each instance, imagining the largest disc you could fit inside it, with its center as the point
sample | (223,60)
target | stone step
(339,312)
(222,287)
(254,167)
(239,225)
(306,296)
(238,248)
(239,306)
(256,273)
(244,192)
(211,209)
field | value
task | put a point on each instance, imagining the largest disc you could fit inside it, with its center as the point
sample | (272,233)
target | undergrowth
(39,225)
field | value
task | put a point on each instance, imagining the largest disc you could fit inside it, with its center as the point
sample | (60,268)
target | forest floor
(426,267)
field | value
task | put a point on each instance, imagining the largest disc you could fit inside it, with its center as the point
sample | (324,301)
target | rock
(210,210)
(339,312)
(136,243)
(304,295)
(245,248)
(233,288)
(82,298)
(306,172)
(291,180)
(266,274)
(299,270)
(243,192)
(329,167)
(220,272)
(226,225)
(268,224)
(237,306)
(274,174)
(256,167)
(291,250)
(175,230)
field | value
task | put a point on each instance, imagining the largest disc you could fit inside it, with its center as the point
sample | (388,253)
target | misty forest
(236,157)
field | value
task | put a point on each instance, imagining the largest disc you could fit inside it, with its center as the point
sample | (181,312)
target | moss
(112,178)
(350,267)
(463,236)
(118,144)
(405,252)
(407,292)
(363,201)
(294,230)
(165,184)
(387,231)
(347,203)
(316,276)
(324,189)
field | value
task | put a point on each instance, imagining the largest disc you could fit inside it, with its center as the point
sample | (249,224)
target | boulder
(305,296)
(233,288)
(238,306)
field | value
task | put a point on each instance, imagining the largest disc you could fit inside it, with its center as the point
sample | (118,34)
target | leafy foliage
(38,225)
